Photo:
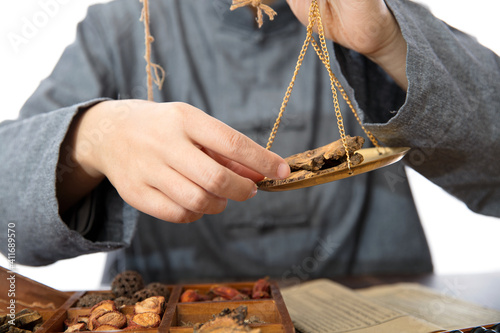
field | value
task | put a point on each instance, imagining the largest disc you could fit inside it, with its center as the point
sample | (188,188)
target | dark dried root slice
(330,155)
(27,318)
(304,174)
(14,329)
(313,163)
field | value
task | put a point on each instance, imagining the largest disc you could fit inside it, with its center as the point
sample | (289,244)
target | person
(90,166)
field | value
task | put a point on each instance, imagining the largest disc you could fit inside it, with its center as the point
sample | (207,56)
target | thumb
(300,8)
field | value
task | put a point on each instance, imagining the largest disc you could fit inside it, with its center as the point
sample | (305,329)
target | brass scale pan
(373,158)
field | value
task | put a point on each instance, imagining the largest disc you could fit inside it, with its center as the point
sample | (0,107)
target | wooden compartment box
(269,315)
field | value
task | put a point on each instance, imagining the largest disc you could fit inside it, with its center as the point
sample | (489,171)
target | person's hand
(171,160)
(365,26)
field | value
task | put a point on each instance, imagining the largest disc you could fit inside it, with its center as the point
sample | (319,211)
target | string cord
(259,6)
(151,68)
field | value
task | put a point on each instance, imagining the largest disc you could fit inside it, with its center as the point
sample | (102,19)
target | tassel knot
(259,6)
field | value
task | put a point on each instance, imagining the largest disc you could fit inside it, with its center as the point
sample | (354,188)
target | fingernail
(283,171)
(254,191)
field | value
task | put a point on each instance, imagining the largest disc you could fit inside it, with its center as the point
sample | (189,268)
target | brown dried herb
(227,321)
(147,319)
(78,327)
(14,329)
(261,289)
(191,295)
(98,310)
(228,293)
(155,304)
(326,156)
(103,306)
(114,318)
(24,321)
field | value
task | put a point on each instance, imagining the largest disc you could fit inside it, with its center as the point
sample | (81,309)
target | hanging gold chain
(334,80)
(324,56)
(294,77)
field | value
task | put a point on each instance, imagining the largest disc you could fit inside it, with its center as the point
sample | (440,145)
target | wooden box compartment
(57,323)
(269,315)
(71,311)
(264,314)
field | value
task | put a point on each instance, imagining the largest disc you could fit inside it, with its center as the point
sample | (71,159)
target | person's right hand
(169,160)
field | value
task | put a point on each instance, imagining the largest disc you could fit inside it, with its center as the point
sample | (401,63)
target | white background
(461,242)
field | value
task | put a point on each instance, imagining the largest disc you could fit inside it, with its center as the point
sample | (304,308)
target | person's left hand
(365,26)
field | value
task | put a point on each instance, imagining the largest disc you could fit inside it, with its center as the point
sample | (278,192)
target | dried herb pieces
(25,321)
(89,300)
(330,155)
(146,319)
(76,327)
(154,304)
(227,293)
(320,161)
(113,318)
(260,289)
(127,288)
(227,321)
(105,316)
(191,295)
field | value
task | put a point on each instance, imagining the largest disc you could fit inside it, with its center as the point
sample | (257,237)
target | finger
(185,193)
(235,166)
(233,145)
(210,175)
(153,202)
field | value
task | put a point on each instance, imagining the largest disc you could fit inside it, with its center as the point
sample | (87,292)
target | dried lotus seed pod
(127,284)
(159,289)
(142,294)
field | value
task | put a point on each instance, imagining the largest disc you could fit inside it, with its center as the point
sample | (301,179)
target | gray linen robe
(218,61)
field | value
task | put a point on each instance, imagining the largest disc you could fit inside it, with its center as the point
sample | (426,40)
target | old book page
(322,306)
(431,306)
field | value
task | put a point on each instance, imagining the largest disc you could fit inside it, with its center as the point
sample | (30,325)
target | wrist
(89,132)
(391,56)
(77,155)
